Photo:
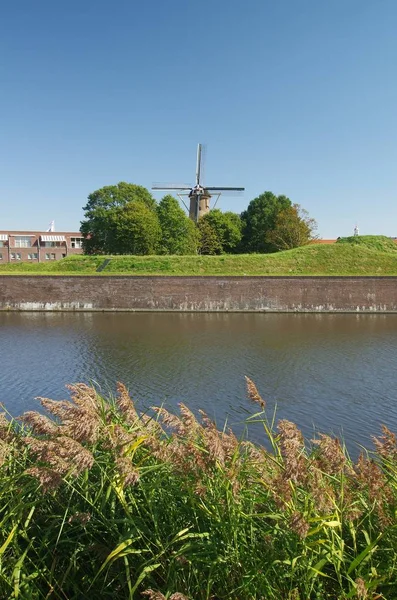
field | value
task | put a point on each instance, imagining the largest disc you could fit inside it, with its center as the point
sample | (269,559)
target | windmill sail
(198,164)
(199,194)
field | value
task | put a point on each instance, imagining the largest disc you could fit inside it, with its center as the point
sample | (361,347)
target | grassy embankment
(103,502)
(363,255)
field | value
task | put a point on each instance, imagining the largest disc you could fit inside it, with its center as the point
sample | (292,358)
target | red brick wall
(317,294)
(54,252)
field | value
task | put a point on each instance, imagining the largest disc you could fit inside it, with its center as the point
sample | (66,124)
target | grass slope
(362,255)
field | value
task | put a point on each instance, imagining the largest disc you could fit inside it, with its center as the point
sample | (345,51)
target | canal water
(329,373)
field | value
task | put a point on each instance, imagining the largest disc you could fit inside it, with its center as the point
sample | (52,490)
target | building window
(53,257)
(23,241)
(76,242)
(1,244)
(47,256)
(52,244)
(1,256)
(32,256)
(15,256)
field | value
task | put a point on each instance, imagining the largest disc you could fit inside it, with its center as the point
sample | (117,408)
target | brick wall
(296,294)
(36,249)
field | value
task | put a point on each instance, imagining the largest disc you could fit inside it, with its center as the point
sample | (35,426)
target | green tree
(259,219)
(178,233)
(293,228)
(135,229)
(103,210)
(209,242)
(228,228)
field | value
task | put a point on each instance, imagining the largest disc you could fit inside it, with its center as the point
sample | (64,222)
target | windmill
(199,195)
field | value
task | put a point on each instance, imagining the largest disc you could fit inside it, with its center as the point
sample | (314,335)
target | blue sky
(294,96)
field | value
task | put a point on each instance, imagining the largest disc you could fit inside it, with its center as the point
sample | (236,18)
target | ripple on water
(331,373)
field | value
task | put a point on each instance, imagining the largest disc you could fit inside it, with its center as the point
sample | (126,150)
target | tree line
(126,219)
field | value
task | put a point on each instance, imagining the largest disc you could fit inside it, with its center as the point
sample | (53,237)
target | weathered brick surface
(296,294)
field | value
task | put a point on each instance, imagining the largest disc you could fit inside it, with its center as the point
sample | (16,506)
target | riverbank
(373,255)
(101,500)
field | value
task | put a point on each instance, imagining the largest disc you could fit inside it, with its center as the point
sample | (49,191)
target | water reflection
(330,372)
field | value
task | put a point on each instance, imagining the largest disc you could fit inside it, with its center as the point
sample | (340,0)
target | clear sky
(294,96)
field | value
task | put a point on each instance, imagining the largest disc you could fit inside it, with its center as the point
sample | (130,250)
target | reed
(98,500)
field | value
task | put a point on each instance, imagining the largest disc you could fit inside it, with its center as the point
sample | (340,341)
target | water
(330,373)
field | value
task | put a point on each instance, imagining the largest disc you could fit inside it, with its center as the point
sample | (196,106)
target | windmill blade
(224,192)
(198,164)
(203,161)
(176,189)
(171,186)
(224,189)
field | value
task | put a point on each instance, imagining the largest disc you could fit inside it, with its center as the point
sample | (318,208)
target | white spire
(356,231)
(51,226)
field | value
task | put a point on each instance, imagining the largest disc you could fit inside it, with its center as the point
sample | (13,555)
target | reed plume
(361,589)
(7,433)
(82,423)
(299,524)
(331,458)
(386,444)
(373,481)
(38,423)
(5,450)
(129,475)
(253,393)
(49,479)
(292,448)
(170,420)
(63,454)
(126,405)
(117,436)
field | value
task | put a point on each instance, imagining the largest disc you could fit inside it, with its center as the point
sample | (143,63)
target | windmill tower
(199,195)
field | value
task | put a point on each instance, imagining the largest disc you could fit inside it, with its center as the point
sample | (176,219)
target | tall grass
(100,501)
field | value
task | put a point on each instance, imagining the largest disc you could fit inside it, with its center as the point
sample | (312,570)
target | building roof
(40,232)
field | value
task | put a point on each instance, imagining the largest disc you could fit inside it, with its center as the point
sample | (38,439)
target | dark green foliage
(134,229)
(107,213)
(259,219)
(116,223)
(209,242)
(227,227)
(178,233)
(114,196)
